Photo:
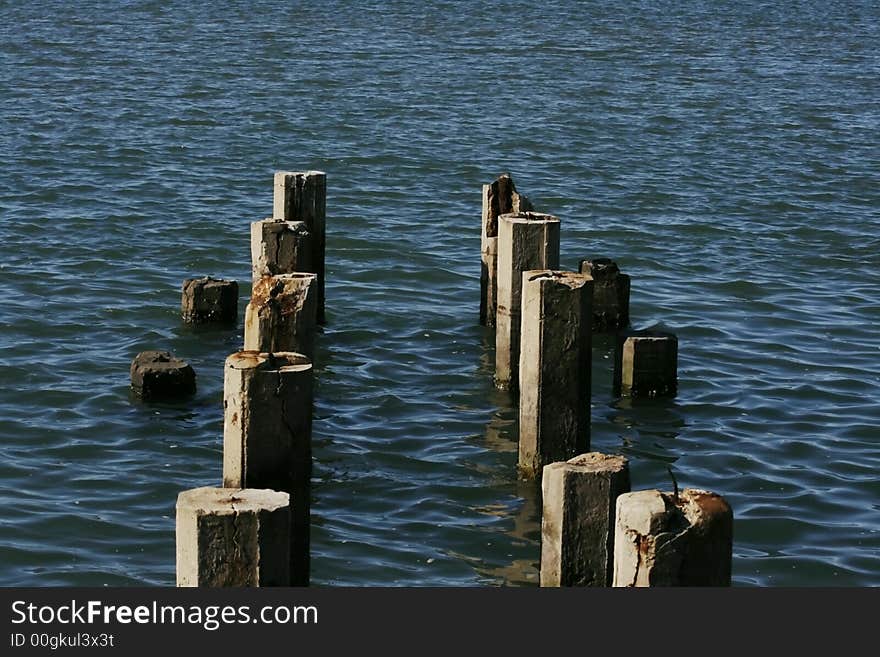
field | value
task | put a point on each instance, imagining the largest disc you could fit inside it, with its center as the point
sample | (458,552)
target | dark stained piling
(646,364)
(499,197)
(302,196)
(280,247)
(610,294)
(554,368)
(233,537)
(577,526)
(209,300)
(267,436)
(159,375)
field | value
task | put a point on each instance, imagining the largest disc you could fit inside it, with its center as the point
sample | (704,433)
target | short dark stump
(160,375)
(209,299)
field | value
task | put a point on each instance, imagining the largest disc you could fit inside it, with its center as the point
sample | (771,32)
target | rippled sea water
(725,154)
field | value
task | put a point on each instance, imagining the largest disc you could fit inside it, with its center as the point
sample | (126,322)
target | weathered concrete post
(646,364)
(302,196)
(577,525)
(554,368)
(281,314)
(279,247)
(267,436)
(209,299)
(233,537)
(161,375)
(526,241)
(663,539)
(610,294)
(499,197)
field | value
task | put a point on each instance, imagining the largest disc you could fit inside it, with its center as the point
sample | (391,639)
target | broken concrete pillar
(646,364)
(499,197)
(610,294)
(554,368)
(577,524)
(267,436)
(233,537)
(664,539)
(281,314)
(207,299)
(302,196)
(279,247)
(161,375)
(526,241)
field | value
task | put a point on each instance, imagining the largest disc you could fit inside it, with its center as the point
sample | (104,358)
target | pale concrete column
(302,196)
(233,537)
(664,539)
(281,314)
(554,368)
(610,294)
(499,197)
(528,240)
(279,247)
(577,524)
(267,436)
(207,299)
(646,364)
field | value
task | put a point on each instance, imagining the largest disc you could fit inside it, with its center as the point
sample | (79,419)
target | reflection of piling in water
(554,368)
(664,539)
(267,436)
(577,528)
(610,294)
(281,314)
(499,197)
(526,241)
(302,196)
(233,537)
(646,364)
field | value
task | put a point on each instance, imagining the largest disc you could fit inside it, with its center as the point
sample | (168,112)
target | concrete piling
(578,520)
(281,314)
(161,375)
(526,241)
(280,247)
(610,294)
(499,197)
(302,196)
(233,537)
(207,299)
(554,368)
(267,436)
(666,539)
(646,364)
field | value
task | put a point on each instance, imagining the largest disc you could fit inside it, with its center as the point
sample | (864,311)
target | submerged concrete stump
(554,368)
(526,241)
(577,524)
(279,247)
(610,294)
(302,196)
(233,537)
(207,299)
(646,364)
(499,197)
(267,436)
(161,375)
(666,540)
(281,314)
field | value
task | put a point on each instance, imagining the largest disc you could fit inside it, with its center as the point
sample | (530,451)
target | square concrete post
(577,525)
(207,299)
(233,537)
(554,368)
(526,241)
(302,196)
(267,436)
(610,295)
(646,364)
(499,197)
(279,247)
(281,314)
(666,540)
